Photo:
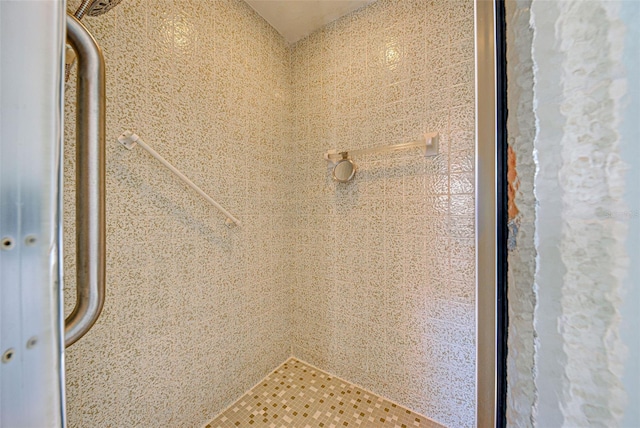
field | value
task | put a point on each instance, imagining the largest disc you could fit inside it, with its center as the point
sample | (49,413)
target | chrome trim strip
(31,42)
(486,233)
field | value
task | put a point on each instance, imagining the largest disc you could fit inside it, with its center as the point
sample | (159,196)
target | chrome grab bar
(90,183)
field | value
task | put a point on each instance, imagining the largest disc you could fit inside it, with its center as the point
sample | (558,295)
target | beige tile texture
(299,395)
(385,265)
(372,281)
(195,313)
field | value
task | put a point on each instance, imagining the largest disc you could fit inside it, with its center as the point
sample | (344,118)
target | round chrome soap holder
(344,170)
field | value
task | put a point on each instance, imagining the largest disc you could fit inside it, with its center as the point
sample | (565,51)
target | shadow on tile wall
(372,280)
(385,265)
(195,313)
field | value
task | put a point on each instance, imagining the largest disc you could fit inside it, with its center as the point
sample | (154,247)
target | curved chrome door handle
(90,182)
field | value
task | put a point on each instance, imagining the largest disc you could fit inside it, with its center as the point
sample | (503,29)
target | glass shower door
(31,65)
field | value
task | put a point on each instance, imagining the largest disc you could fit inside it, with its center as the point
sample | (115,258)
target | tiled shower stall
(372,280)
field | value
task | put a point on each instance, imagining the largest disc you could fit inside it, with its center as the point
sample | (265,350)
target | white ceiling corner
(296,19)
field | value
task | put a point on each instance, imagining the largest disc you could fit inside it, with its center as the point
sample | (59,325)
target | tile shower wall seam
(233,403)
(354,384)
(290,377)
(385,264)
(190,302)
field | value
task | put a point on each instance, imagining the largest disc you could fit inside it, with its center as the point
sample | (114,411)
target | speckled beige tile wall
(385,268)
(195,313)
(381,268)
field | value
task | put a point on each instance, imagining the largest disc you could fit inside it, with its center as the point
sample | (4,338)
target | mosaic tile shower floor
(299,395)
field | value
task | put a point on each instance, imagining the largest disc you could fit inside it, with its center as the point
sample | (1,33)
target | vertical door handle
(90,182)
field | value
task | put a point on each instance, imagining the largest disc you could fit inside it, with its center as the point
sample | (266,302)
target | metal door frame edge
(491,230)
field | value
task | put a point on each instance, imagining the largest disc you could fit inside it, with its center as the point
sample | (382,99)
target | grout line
(245,392)
(366,390)
(278,367)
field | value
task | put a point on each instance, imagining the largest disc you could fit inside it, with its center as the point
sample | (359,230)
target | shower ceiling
(295,19)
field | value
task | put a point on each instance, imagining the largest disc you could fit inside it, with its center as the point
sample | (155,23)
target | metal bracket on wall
(428,142)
